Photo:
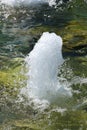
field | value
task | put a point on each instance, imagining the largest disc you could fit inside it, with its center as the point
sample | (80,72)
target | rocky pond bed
(17,39)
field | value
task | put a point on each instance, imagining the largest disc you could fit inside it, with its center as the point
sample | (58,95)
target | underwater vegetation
(20,29)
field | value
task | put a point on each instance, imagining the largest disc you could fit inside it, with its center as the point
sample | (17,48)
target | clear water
(20,29)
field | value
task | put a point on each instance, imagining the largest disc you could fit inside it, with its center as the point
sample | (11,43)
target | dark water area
(20,28)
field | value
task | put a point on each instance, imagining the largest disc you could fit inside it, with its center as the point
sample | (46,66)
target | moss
(12,74)
(79,65)
(12,78)
(74,34)
(51,121)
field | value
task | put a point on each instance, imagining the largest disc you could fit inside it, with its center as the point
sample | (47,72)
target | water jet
(43,64)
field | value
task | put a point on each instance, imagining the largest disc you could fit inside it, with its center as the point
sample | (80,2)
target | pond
(21,26)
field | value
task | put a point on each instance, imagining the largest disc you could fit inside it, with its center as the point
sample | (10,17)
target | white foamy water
(44,63)
(26,2)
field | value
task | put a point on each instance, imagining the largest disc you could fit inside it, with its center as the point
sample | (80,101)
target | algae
(19,32)
(51,121)
(12,77)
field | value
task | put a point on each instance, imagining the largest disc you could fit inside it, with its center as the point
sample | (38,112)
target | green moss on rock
(12,78)
(51,121)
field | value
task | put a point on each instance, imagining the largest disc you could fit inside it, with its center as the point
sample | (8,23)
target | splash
(44,63)
(27,2)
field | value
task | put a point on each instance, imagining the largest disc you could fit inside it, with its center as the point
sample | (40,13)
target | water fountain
(43,64)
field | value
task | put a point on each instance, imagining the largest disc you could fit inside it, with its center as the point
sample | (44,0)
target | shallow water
(20,29)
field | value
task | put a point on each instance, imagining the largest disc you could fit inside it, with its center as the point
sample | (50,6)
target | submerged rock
(51,120)
(73,34)
(12,77)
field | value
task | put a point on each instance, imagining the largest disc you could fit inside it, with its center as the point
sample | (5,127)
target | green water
(19,31)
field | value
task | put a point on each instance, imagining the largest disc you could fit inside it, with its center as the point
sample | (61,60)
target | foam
(44,62)
(27,2)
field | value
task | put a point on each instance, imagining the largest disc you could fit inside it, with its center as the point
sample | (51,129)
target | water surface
(20,29)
